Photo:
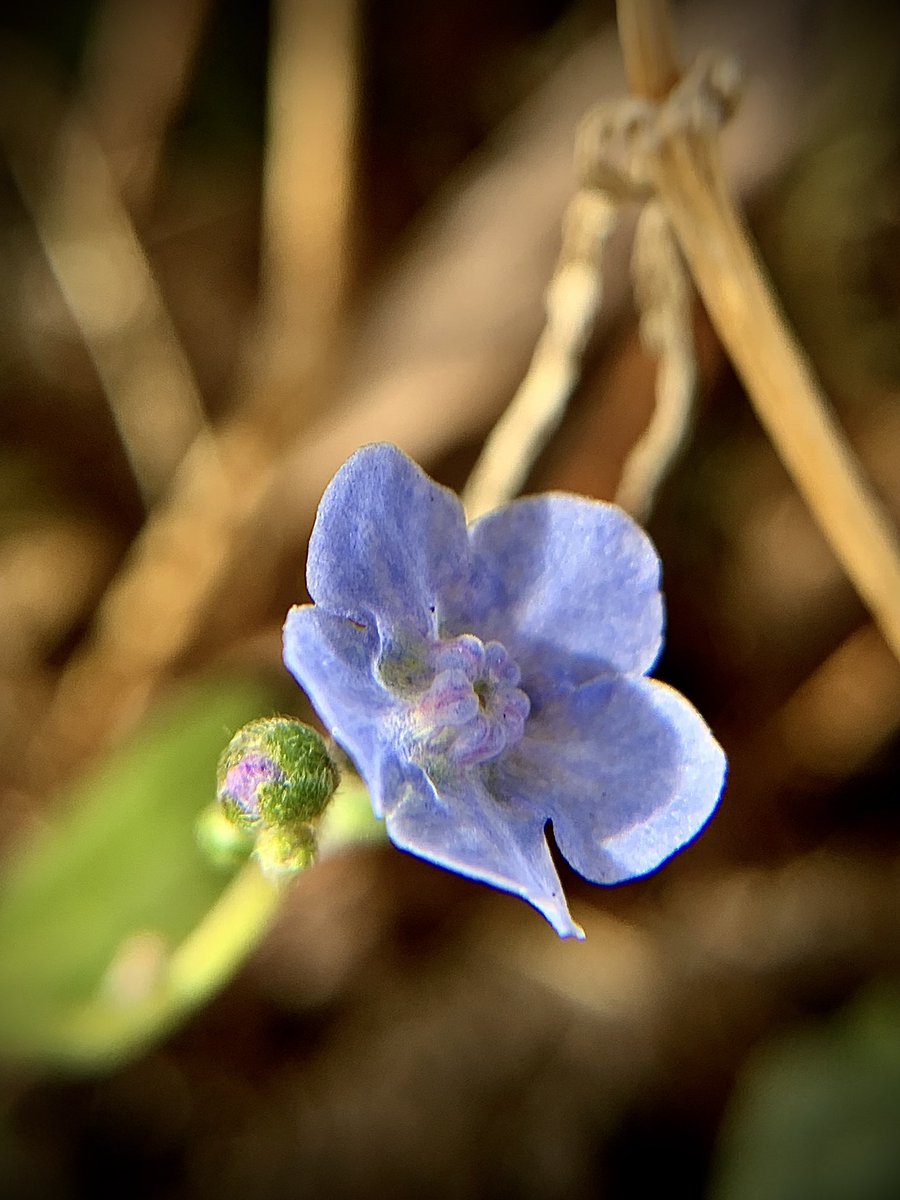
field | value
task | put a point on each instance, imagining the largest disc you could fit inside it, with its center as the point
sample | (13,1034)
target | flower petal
(333,660)
(387,541)
(465,829)
(627,771)
(570,586)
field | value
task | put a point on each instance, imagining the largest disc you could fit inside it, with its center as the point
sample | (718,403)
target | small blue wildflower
(489,680)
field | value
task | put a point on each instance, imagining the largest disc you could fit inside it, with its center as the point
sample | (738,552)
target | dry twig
(683,163)
(136,73)
(110,289)
(572,301)
(663,295)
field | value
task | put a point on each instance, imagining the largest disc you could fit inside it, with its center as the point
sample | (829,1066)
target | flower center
(472,710)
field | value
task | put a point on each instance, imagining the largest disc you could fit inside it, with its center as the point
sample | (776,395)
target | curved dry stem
(572,301)
(690,182)
(663,295)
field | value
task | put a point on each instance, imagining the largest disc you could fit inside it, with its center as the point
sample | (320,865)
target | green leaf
(816,1114)
(89,916)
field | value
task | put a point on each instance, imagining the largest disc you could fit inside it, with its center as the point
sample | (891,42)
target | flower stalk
(151,986)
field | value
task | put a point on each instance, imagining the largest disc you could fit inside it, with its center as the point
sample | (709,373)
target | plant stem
(572,300)
(111,1026)
(150,988)
(648,45)
(740,301)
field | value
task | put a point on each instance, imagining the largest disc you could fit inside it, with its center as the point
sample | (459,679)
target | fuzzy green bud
(275,773)
(275,779)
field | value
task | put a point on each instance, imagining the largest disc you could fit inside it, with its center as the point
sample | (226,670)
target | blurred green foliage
(122,862)
(817,1113)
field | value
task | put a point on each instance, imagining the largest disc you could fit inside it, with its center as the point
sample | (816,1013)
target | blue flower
(489,680)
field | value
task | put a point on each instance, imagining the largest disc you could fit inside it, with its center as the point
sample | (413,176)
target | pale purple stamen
(472,710)
(465,653)
(450,700)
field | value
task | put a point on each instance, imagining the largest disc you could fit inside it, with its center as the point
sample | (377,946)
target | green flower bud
(275,779)
(223,843)
(275,773)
